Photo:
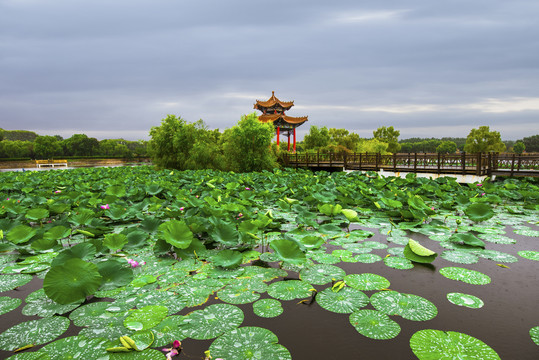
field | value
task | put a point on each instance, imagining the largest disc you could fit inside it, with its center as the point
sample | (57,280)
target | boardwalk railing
(463,163)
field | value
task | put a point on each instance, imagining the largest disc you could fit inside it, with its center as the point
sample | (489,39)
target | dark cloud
(115,68)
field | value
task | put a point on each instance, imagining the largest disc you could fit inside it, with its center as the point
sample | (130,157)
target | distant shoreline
(18,165)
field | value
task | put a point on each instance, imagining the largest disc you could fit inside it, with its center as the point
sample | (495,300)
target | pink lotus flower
(181,209)
(135,263)
(105,207)
(58,191)
(479,184)
(247,188)
(174,350)
(483,194)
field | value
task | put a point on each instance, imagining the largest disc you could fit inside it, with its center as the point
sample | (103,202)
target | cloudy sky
(113,69)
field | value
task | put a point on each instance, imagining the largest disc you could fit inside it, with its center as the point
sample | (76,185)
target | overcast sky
(115,68)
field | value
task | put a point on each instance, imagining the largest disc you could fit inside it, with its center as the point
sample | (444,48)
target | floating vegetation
(343,301)
(466,300)
(529,254)
(374,324)
(34,332)
(460,257)
(366,281)
(465,275)
(436,344)
(408,306)
(268,308)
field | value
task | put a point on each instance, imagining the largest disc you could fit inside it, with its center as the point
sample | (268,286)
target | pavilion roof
(280,117)
(272,101)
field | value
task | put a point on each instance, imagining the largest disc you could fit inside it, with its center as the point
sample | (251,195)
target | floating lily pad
(7,304)
(264,274)
(321,274)
(409,306)
(77,347)
(529,254)
(143,339)
(96,313)
(479,212)
(418,253)
(324,258)
(498,256)
(466,239)
(435,344)
(267,308)
(534,334)
(148,354)
(366,281)
(145,318)
(34,332)
(174,303)
(288,251)
(248,343)
(290,290)
(238,294)
(170,329)
(460,257)
(465,275)
(10,282)
(344,301)
(367,258)
(465,300)
(37,303)
(527,232)
(497,239)
(36,355)
(398,263)
(374,324)
(212,321)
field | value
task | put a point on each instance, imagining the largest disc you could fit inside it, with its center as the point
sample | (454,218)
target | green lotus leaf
(366,281)
(351,215)
(96,313)
(148,354)
(478,212)
(115,241)
(290,290)
(263,274)
(419,249)
(212,321)
(195,247)
(534,334)
(10,282)
(460,257)
(267,308)
(25,268)
(228,258)
(311,242)
(143,280)
(114,273)
(84,251)
(321,274)
(153,189)
(366,258)
(82,217)
(466,239)
(255,343)
(238,294)
(466,300)
(225,234)
(324,258)
(497,239)
(398,263)
(374,324)
(176,233)
(116,190)
(56,233)
(168,330)
(72,281)
(529,254)
(147,317)
(412,256)
(409,306)
(77,347)
(7,304)
(143,339)
(288,250)
(436,344)
(150,224)
(37,303)
(465,275)
(527,232)
(344,301)
(36,355)
(498,256)
(34,332)
(329,209)
(20,234)
(37,214)
(110,330)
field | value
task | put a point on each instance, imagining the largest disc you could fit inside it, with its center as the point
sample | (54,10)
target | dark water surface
(309,332)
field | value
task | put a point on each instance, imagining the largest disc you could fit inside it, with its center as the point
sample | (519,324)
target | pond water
(310,332)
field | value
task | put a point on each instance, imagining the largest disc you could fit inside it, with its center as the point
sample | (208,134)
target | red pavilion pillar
(278,129)
(289,140)
(294,141)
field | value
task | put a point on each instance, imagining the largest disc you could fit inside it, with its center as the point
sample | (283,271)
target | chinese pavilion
(273,111)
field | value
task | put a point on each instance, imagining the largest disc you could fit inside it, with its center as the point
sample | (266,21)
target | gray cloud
(114,69)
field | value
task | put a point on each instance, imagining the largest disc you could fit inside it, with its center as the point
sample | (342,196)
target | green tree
(247,145)
(447,147)
(16,149)
(531,143)
(342,137)
(519,147)
(22,135)
(80,145)
(316,138)
(2,132)
(484,140)
(373,146)
(389,136)
(47,147)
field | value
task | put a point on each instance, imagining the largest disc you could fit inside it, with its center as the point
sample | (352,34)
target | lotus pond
(118,263)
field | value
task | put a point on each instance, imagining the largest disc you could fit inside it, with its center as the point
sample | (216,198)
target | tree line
(20,144)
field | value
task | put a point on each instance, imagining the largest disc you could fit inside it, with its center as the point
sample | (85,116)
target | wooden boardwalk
(479,164)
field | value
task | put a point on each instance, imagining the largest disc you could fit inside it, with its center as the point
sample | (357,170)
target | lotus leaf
(34,332)
(36,355)
(398,263)
(344,301)
(77,347)
(37,214)
(37,303)
(212,321)
(267,308)
(534,334)
(114,273)
(367,258)
(7,304)
(95,313)
(436,344)
(409,306)
(412,256)
(374,324)
(529,254)
(478,212)
(497,239)
(288,250)
(290,290)
(20,234)
(465,275)
(527,232)
(498,256)
(311,242)
(238,294)
(176,233)
(366,281)
(324,258)
(168,330)
(465,300)
(115,241)
(228,258)
(146,317)
(460,257)
(148,354)
(255,343)
(466,239)
(321,274)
